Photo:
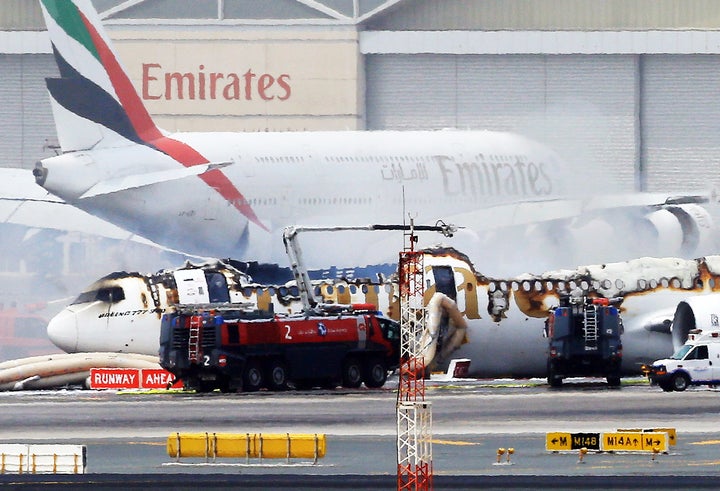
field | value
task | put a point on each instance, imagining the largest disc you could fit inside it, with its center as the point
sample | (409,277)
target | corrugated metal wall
(27,119)
(681,121)
(590,15)
(18,15)
(582,106)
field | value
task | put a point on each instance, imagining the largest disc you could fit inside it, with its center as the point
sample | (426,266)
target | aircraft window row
(329,290)
(117,294)
(280,159)
(584,285)
(335,201)
(501,157)
(380,158)
(261,202)
(665,283)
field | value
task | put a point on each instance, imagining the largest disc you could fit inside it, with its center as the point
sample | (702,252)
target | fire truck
(238,347)
(235,347)
(584,340)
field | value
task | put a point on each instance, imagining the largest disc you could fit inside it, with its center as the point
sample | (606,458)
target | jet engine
(700,312)
(672,230)
(687,228)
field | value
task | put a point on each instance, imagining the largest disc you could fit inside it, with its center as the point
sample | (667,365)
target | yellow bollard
(510,451)
(500,453)
(581,455)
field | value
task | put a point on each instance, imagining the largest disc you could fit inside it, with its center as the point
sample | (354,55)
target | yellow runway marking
(452,442)
(699,464)
(706,442)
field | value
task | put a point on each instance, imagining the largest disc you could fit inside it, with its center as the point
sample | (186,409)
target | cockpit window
(110,294)
(217,288)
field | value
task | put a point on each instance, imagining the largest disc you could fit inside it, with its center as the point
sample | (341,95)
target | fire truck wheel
(375,373)
(277,375)
(352,373)
(252,377)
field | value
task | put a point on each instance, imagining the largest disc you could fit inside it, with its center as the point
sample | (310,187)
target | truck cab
(697,362)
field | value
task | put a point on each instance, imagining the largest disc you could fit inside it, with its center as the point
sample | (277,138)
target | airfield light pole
(414,413)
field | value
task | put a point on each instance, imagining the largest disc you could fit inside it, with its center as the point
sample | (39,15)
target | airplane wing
(531,212)
(140,180)
(22,202)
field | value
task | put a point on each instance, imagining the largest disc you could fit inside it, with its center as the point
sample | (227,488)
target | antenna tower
(414,413)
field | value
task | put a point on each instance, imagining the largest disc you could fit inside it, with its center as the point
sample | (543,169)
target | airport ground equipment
(18,458)
(247,445)
(295,254)
(697,362)
(584,340)
(235,347)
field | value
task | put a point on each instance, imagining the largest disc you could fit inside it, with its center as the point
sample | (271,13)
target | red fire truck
(233,347)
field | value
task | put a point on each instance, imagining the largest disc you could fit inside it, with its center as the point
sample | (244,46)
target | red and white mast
(414,413)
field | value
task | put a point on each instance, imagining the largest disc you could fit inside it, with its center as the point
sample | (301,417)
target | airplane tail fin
(94,103)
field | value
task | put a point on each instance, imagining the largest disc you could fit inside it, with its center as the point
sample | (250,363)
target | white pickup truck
(697,362)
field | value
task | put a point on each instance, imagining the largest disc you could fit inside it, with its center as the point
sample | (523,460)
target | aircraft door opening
(445,281)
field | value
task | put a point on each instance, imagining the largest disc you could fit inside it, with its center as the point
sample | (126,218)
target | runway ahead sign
(131,378)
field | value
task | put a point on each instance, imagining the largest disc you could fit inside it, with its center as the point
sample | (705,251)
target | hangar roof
(24,15)
(267,12)
(397,15)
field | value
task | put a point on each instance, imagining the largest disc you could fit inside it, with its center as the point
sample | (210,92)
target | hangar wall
(680,114)
(26,123)
(629,105)
(582,106)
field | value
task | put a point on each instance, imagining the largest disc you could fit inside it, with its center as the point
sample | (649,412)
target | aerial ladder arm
(294,251)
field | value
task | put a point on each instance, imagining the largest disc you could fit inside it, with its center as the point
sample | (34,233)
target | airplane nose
(63,332)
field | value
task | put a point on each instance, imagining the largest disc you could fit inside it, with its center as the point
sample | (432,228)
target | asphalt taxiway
(126,433)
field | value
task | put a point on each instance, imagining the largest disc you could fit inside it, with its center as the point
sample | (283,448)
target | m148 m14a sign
(620,441)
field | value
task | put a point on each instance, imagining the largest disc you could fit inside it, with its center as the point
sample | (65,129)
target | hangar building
(622,89)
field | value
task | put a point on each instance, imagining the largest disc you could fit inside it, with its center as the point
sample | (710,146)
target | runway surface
(126,433)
